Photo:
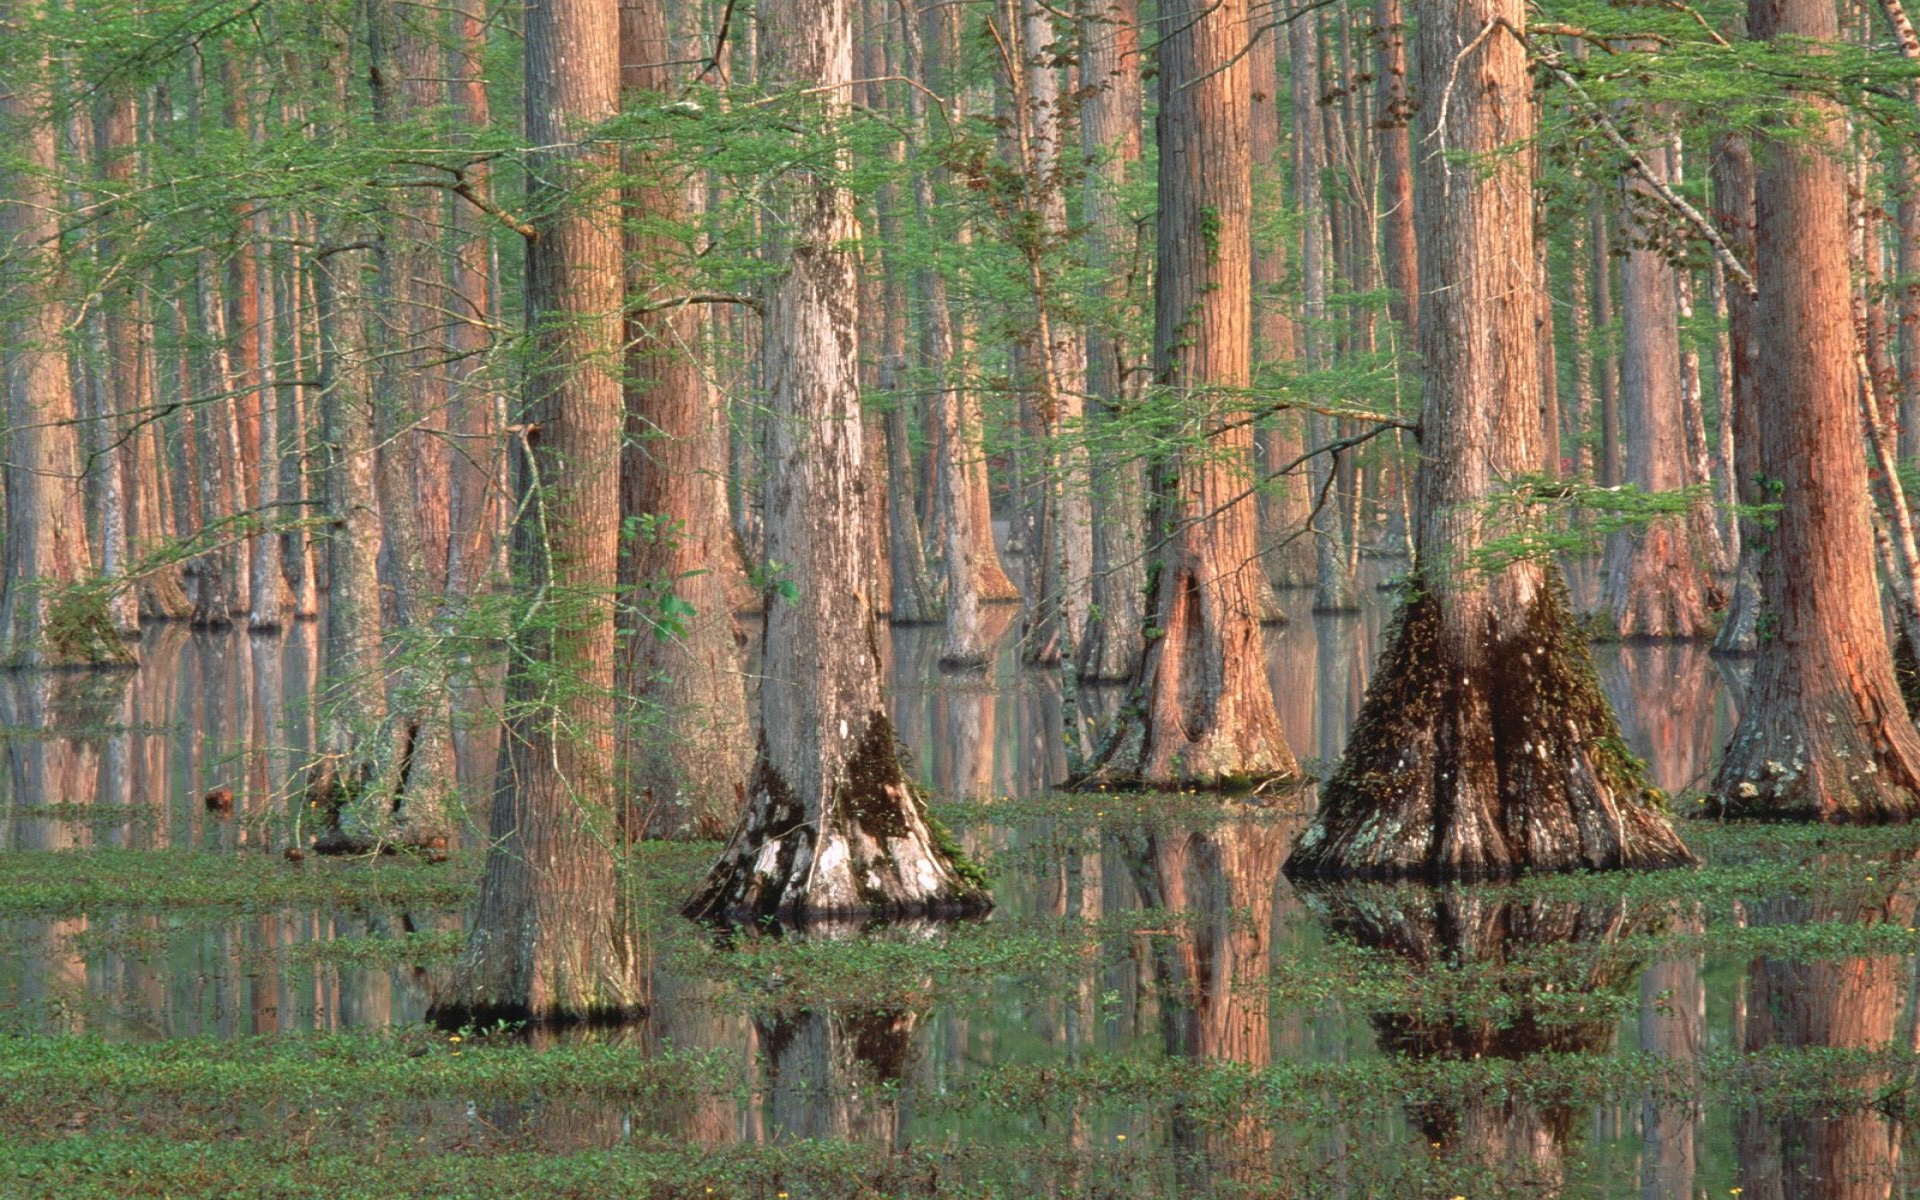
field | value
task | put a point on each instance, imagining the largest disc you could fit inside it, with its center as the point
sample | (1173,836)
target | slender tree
(1286,502)
(1110,140)
(47,616)
(1485,745)
(688,751)
(551,939)
(1205,714)
(1654,584)
(832,824)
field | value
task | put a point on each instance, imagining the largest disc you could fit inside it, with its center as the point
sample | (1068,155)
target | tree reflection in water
(1210,973)
(1492,977)
(1843,1146)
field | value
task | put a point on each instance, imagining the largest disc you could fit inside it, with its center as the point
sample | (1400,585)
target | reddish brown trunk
(1207,715)
(551,939)
(44,619)
(1654,587)
(1824,734)
(1485,745)
(160,591)
(687,753)
(1286,503)
(1394,108)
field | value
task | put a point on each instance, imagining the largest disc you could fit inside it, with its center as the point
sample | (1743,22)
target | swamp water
(1151,1011)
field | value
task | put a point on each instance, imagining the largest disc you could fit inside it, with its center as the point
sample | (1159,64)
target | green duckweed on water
(1142,1017)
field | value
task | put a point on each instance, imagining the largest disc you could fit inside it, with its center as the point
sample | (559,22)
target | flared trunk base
(869,849)
(1487,764)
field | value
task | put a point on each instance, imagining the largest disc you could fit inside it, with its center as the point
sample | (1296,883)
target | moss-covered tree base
(1486,756)
(869,848)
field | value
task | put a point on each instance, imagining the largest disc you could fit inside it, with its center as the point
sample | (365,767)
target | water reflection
(1844,1145)
(1210,972)
(1500,979)
(1190,927)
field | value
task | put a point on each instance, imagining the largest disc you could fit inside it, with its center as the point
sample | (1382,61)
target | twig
(1667,195)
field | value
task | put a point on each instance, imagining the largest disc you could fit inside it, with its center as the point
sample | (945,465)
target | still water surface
(1200,953)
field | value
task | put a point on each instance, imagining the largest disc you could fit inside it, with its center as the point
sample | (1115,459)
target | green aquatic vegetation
(98,880)
(93,816)
(905,966)
(49,1075)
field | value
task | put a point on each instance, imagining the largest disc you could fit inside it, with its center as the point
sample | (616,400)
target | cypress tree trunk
(127,434)
(1394,109)
(353,689)
(1654,586)
(1734,216)
(1485,745)
(1332,585)
(832,825)
(1205,714)
(687,752)
(1055,355)
(1286,502)
(552,939)
(1110,140)
(1824,734)
(474,496)
(962,515)
(911,586)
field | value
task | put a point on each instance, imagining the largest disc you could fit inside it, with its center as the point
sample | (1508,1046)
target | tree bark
(1110,117)
(131,440)
(1286,508)
(1332,585)
(1054,354)
(1205,715)
(552,939)
(832,826)
(1733,214)
(911,587)
(962,515)
(1654,586)
(474,495)
(1485,746)
(687,752)
(1394,109)
(1824,734)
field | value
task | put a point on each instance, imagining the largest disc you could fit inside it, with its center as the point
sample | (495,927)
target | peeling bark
(832,825)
